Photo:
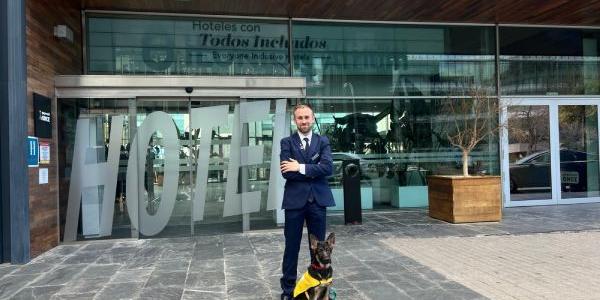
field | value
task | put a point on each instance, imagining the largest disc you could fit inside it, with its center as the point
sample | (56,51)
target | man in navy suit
(306,163)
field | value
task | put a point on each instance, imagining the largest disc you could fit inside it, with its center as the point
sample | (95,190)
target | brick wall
(48,56)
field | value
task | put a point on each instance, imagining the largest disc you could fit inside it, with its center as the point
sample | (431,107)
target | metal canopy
(118,86)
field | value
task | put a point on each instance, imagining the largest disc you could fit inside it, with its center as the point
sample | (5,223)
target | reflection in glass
(537,61)
(529,153)
(398,143)
(578,127)
(393,60)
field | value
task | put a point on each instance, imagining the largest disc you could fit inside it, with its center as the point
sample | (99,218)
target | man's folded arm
(325,166)
(285,155)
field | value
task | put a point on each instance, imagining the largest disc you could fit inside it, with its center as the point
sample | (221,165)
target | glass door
(233,149)
(529,155)
(579,164)
(204,165)
(550,151)
(162,142)
(213,126)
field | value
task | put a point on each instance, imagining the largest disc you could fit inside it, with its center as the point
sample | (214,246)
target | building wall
(48,56)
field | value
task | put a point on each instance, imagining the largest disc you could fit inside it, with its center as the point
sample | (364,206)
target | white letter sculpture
(150,225)
(86,175)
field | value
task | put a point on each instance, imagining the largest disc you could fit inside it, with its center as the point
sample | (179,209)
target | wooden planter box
(458,199)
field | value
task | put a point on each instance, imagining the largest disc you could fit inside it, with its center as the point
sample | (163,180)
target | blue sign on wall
(33,153)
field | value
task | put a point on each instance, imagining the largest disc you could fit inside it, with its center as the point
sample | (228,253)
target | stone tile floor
(247,266)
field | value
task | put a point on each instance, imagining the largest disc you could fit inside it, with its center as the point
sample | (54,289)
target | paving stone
(433,294)
(141,262)
(349,294)
(49,258)
(273,282)
(271,268)
(361,274)
(215,265)
(240,261)
(65,249)
(98,246)
(408,280)
(10,284)
(238,250)
(33,268)
(162,293)
(171,254)
(380,290)
(99,271)
(6,269)
(114,258)
(206,281)
(89,295)
(123,249)
(58,276)
(386,267)
(149,252)
(206,295)
(83,285)
(133,275)
(202,252)
(243,274)
(37,293)
(248,289)
(172,266)
(158,279)
(82,258)
(127,290)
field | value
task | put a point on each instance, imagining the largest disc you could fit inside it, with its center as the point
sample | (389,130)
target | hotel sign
(42,116)
(195,42)
(88,176)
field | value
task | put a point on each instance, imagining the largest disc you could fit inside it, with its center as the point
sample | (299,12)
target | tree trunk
(465,163)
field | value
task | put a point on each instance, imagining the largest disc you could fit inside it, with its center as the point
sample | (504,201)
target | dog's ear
(314,241)
(331,239)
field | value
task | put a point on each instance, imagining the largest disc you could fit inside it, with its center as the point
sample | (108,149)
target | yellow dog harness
(307,281)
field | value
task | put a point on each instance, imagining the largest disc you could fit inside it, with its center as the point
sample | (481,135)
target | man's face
(304,119)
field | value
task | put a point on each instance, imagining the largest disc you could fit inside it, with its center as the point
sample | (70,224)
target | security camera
(189,89)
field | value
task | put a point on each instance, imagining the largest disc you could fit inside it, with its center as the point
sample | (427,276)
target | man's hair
(301,105)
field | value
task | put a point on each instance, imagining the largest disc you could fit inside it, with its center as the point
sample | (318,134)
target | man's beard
(305,130)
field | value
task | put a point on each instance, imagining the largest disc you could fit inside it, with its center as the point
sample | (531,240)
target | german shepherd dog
(316,281)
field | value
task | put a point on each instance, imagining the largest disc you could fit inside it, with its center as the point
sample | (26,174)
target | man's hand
(290,166)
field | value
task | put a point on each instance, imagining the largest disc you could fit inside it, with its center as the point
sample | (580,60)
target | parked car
(533,171)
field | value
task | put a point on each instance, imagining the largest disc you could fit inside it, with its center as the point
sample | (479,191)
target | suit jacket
(318,166)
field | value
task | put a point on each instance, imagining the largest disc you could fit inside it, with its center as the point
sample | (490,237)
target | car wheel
(513,186)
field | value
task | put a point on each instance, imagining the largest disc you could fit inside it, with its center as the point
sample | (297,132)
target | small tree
(470,121)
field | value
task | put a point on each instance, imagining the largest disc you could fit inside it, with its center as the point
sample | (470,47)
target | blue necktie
(306,144)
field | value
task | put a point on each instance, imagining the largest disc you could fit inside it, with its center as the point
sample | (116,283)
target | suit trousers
(316,223)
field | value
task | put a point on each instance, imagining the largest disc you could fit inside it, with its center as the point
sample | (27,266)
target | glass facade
(554,61)
(398,142)
(380,93)
(393,60)
(186,46)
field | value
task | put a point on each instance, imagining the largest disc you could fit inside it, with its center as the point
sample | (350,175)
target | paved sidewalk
(367,262)
(540,266)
